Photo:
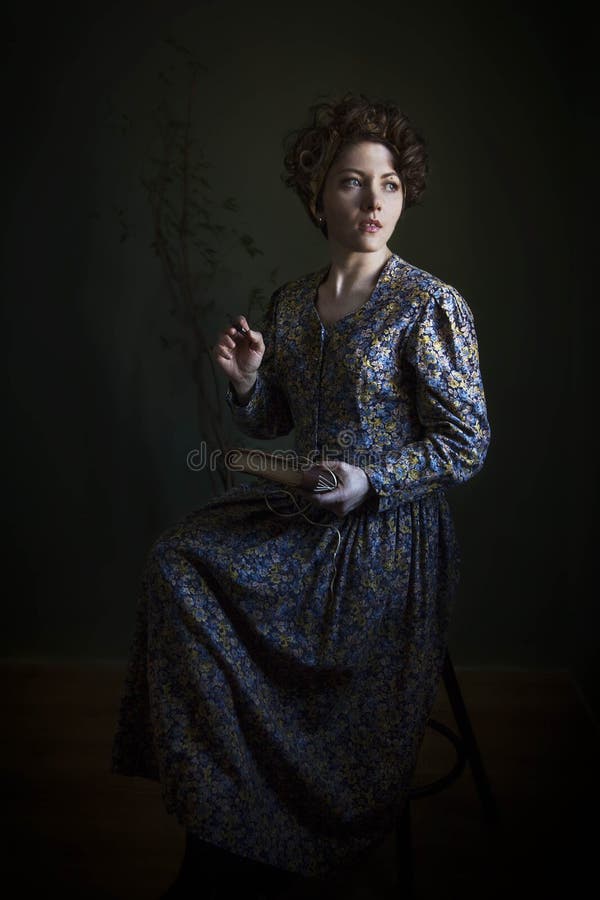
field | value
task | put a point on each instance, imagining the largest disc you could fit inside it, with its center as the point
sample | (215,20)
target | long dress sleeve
(441,351)
(266,412)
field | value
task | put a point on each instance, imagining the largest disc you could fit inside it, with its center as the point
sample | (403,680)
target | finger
(227,338)
(235,333)
(229,342)
(239,324)
(254,336)
(328,499)
(337,464)
(255,341)
(317,477)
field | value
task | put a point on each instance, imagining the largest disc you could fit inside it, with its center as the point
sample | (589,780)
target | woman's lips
(369,227)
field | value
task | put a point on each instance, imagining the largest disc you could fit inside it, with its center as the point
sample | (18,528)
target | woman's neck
(354,273)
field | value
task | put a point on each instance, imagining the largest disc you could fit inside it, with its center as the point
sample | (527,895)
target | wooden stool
(466,750)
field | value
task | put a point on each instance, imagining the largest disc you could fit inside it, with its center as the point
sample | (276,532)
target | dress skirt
(283,717)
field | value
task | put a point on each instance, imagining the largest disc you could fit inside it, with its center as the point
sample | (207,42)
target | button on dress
(283,666)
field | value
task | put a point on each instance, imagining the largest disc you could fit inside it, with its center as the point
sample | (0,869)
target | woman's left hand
(352,489)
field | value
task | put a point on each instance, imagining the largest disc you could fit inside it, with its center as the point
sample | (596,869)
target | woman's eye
(392,183)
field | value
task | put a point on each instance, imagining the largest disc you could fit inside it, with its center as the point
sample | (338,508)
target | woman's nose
(372,199)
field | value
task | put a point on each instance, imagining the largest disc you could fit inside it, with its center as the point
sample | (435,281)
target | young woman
(289,644)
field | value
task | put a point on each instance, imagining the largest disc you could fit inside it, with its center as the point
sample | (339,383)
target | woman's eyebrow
(360,172)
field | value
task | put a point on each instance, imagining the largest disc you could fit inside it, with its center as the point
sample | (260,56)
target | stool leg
(404,855)
(484,790)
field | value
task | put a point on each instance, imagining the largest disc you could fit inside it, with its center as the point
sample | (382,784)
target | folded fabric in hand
(285,469)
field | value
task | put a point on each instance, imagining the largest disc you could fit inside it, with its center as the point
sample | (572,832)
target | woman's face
(361,185)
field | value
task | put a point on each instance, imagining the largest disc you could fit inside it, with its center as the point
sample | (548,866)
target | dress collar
(315,280)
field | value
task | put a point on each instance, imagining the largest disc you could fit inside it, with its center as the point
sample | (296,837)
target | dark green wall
(101,417)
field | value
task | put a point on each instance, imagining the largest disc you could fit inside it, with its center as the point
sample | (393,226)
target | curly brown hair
(338,122)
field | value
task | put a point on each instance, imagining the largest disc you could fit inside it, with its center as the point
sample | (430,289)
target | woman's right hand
(239,355)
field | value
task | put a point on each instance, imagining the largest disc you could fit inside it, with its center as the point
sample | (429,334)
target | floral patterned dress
(283,666)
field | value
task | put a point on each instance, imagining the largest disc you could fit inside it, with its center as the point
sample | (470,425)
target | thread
(301,512)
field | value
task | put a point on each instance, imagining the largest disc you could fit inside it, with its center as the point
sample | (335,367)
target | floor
(73,830)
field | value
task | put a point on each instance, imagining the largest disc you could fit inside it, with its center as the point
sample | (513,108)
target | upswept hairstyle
(337,122)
